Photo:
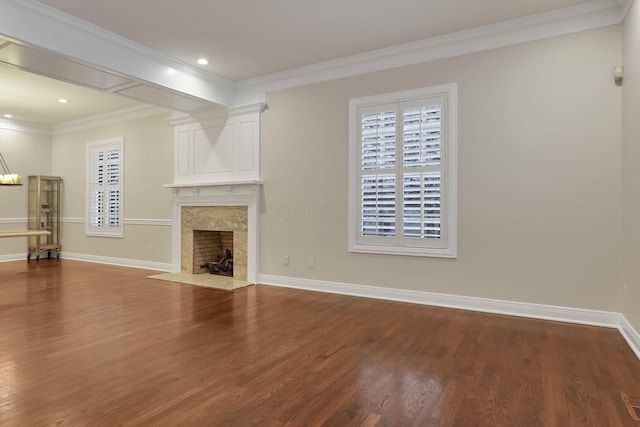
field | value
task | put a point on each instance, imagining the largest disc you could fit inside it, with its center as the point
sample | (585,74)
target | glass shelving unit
(44,214)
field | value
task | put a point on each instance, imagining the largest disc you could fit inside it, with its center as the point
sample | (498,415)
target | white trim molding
(580,316)
(581,17)
(148,222)
(485,305)
(14,220)
(72,220)
(47,28)
(630,335)
(125,221)
(24,126)
(119,116)
(122,262)
(13,257)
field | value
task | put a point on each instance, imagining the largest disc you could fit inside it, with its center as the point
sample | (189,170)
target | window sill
(117,235)
(403,250)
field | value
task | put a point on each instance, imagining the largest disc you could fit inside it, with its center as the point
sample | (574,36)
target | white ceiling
(33,98)
(243,39)
(248,38)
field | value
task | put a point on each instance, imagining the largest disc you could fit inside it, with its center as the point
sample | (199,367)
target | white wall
(26,154)
(148,165)
(630,162)
(539,176)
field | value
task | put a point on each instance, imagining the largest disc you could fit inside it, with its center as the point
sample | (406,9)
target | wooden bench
(24,233)
(27,233)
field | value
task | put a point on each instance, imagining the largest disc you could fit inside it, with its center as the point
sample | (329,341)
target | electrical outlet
(625,292)
(151,249)
(311,262)
(285,260)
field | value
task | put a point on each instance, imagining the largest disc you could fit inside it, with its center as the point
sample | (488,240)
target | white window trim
(449,188)
(117,232)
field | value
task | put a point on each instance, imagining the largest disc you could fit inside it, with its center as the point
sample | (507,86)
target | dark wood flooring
(89,344)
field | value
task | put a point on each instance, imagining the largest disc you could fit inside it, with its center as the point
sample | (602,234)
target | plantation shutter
(400,173)
(403,173)
(112,160)
(105,188)
(422,178)
(378,178)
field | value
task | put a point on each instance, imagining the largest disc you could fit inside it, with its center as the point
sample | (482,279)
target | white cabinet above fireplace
(221,146)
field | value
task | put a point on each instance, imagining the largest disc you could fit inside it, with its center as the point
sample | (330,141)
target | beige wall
(630,162)
(539,176)
(148,165)
(26,154)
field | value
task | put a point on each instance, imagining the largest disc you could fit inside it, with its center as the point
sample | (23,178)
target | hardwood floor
(89,344)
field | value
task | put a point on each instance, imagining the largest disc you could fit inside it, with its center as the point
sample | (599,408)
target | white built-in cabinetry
(219,146)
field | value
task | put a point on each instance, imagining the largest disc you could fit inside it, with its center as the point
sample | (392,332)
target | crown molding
(23,126)
(125,114)
(256,107)
(132,113)
(624,6)
(34,23)
(586,16)
(215,114)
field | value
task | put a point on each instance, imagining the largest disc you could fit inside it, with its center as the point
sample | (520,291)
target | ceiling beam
(35,24)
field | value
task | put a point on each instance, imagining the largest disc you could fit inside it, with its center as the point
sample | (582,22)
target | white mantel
(217,163)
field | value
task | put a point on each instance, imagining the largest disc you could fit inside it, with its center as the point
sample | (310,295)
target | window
(105,166)
(402,173)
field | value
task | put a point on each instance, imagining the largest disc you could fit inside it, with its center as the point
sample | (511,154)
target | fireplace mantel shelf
(213,184)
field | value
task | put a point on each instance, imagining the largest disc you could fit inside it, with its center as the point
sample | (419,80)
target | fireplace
(207,232)
(213,252)
(199,211)
(216,186)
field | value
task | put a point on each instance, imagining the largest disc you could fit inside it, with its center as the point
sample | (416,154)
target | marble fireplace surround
(222,207)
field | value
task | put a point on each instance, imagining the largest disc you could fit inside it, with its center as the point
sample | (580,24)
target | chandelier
(8,178)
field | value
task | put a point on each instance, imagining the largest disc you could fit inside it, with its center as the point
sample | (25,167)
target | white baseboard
(122,262)
(535,311)
(580,316)
(13,257)
(630,335)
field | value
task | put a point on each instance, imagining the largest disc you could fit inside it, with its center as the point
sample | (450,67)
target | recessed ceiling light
(62,101)
(8,116)
(203,61)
